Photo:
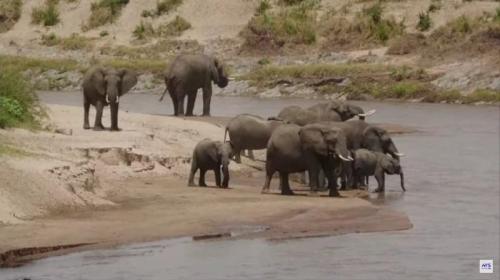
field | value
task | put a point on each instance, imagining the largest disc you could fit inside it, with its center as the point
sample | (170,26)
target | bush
(162,7)
(434,6)
(74,42)
(10,12)
(497,15)
(143,30)
(174,28)
(424,22)
(104,12)
(46,15)
(291,2)
(17,100)
(264,5)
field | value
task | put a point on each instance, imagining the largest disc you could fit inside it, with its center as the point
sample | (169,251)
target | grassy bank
(18,103)
(365,81)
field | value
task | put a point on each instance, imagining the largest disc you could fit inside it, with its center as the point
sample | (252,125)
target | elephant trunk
(402,180)
(223,82)
(114,115)
(343,153)
(225,174)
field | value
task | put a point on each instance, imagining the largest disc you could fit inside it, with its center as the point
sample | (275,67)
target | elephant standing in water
(368,163)
(211,155)
(313,148)
(334,111)
(187,74)
(249,132)
(102,87)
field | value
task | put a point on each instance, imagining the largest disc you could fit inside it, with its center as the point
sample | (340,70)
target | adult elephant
(335,111)
(103,87)
(249,132)
(187,74)
(360,134)
(314,147)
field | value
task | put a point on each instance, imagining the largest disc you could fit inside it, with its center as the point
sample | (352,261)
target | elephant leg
(98,116)
(191,101)
(314,169)
(380,177)
(207,97)
(180,105)
(237,156)
(201,182)
(194,168)
(328,168)
(217,177)
(285,184)
(173,96)
(269,175)
(322,180)
(86,109)
(250,154)
(114,116)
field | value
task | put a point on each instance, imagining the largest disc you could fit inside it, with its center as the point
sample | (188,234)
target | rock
(64,131)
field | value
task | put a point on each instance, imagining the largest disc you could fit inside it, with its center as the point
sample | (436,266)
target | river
(452,178)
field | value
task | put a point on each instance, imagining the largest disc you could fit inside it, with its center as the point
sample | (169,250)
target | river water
(452,178)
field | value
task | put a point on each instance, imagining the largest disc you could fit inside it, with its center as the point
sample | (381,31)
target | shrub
(10,12)
(143,30)
(50,39)
(46,15)
(74,42)
(174,28)
(165,6)
(17,100)
(434,6)
(104,33)
(291,2)
(424,21)
(497,15)
(264,5)
(104,12)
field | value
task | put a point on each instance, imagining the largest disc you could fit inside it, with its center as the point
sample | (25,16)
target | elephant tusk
(117,99)
(345,159)
(231,79)
(400,154)
(367,114)
(107,98)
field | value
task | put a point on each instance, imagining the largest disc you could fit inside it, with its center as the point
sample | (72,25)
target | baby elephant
(211,155)
(368,163)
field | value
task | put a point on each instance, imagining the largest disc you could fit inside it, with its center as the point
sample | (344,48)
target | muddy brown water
(452,177)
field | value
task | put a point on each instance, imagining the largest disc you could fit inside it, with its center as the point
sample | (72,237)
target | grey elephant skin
(369,163)
(360,134)
(103,87)
(314,147)
(249,132)
(334,111)
(188,73)
(211,155)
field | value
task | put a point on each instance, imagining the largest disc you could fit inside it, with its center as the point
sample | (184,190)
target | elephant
(369,163)
(335,111)
(360,134)
(187,74)
(249,132)
(211,155)
(102,87)
(314,147)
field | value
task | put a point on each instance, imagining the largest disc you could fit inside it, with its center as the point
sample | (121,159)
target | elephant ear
(128,80)
(215,151)
(341,146)
(387,163)
(313,139)
(97,79)
(372,138)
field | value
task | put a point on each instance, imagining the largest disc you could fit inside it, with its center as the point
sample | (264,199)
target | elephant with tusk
(312,148)
(103,87)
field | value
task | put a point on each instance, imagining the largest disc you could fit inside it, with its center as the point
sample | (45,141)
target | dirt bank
(74,186)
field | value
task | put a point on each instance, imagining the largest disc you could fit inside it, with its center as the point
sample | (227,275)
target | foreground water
(452,177)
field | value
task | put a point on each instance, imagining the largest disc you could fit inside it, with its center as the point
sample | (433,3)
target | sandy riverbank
(113,188)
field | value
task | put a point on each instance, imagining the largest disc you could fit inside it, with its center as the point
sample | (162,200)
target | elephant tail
(169,86)
(163,95)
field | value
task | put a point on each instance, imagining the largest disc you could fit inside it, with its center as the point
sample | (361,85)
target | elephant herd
(321,139)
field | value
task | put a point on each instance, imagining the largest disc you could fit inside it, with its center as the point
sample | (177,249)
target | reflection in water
(452,200)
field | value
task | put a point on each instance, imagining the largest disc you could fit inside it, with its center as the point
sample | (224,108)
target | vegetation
(20,63)
(171,29)
(74,42)
(434,6)
(10,12)
(294,24)
(18,103)
(424,21)
(47,14)
(104,12)
(162,7)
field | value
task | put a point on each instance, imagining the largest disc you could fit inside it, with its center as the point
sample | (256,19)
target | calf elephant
(313,148)
(334,111)
(103,87)
(249,132)
(187,74)
(211,155)
(368,163)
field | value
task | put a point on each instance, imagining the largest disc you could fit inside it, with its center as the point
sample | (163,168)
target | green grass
(144,30)
(18,103)
(10,12)
(74,42)
(104,12)
(21,63)
(47,14)
(424,22)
